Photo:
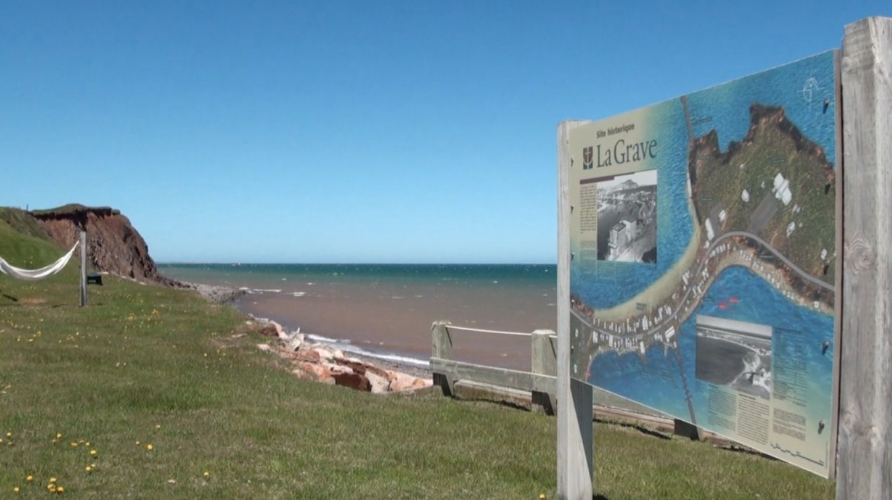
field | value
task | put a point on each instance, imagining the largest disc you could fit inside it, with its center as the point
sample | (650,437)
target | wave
(347,347)
(751,364)
(260,291)
(423,363)
(320,338)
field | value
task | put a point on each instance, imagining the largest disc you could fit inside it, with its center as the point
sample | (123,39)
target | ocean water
(387,310)
(722,361)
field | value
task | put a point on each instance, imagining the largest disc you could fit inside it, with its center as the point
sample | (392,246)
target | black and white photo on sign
(734,354)
(627,218)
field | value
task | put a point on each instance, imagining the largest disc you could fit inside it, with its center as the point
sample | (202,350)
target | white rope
(498,332)
(36,274)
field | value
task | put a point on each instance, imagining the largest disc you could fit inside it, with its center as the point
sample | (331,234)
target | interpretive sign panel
(703,270)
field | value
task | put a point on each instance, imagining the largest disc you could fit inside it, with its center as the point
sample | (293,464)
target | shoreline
(229,296)
(407,368)
(389,360)
(350,350)
(323,363)
(215,294)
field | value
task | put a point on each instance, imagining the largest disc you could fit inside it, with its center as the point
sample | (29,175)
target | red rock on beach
(379,384)
(403,382)
(302,355)
(280,332)
(268,330)
(362,368)
(323,353)
(324,364)
(319,372)
(354,381)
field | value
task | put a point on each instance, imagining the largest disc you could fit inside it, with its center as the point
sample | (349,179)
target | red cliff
(115,246)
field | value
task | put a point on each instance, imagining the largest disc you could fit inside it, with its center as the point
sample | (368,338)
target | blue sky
(351,131)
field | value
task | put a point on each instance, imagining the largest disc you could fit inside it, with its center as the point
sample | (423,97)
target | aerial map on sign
(704,255)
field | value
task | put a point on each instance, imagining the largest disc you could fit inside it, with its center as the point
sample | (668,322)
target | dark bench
(94,279)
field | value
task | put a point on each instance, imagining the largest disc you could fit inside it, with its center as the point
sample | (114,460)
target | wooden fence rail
(540,382)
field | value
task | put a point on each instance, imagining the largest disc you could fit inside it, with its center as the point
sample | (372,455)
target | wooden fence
(540,382)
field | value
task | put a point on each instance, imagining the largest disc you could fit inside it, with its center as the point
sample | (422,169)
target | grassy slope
(141,357)
(23,242)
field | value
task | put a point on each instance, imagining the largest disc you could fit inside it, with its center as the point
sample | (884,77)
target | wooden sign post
(83,269)
(575,463)
(864,468)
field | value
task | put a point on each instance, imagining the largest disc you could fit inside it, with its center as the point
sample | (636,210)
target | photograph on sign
(627,217)
(703,258)
(735,354)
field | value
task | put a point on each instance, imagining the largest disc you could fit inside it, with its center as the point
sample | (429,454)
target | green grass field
(149,365)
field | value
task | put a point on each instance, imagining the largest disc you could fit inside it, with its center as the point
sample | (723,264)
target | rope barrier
(498,332)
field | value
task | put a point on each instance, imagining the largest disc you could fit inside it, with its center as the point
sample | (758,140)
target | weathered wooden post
(83,268)
(684,429)
(544,353)
(574,398)
(441,347)
(864,469)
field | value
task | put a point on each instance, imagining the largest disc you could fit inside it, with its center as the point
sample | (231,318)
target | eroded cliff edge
(114,245)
